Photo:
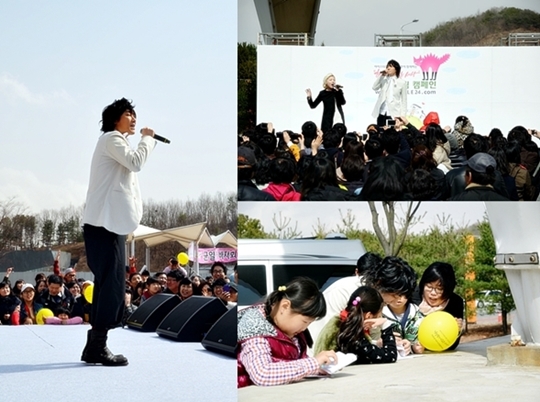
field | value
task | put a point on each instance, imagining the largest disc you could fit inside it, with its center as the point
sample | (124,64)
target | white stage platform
(42,363)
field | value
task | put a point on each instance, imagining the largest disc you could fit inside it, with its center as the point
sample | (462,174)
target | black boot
(85,350)
(97,352)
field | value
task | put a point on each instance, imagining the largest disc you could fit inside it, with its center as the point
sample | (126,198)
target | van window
(251,284)
(323,274)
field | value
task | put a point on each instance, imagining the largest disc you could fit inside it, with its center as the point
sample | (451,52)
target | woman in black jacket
(331,96)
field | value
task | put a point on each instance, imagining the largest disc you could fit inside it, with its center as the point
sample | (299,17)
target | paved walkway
(462,375)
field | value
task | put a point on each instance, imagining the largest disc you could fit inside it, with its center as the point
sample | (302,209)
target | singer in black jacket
(331,96)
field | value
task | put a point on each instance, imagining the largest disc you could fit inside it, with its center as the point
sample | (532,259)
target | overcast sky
(354,23)
(306,215)
(63,61)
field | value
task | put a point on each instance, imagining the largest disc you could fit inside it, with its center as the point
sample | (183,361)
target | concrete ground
(462,375)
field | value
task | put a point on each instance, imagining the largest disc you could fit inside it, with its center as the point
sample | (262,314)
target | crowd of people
(375,315)
(64,294)
(388,163)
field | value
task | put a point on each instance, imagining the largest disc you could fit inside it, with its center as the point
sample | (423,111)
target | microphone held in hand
(339,86)
(160,138)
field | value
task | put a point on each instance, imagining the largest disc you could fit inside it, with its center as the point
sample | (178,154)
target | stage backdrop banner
(493,86)
(211,255)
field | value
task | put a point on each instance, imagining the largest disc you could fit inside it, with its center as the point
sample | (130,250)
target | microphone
(339,86)
(160,138)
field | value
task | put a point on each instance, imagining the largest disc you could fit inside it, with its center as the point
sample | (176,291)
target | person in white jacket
(113,210)
(392,100)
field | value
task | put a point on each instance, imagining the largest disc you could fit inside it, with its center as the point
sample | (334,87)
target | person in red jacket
(282,173)
(273,340)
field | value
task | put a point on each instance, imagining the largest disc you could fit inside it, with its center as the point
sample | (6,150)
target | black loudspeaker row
(197,319)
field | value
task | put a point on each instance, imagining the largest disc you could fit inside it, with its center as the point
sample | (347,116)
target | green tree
(47,233)
(487,276)
(250,228)
(247,86)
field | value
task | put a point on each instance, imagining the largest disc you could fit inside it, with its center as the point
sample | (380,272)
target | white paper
(343,361)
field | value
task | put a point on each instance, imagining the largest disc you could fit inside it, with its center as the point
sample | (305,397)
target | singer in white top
(392,100)
(113,210)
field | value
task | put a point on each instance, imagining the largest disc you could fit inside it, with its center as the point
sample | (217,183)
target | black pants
(106,256)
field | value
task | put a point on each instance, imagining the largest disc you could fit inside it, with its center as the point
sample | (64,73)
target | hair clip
(343,315)
(356,301)
(282,288)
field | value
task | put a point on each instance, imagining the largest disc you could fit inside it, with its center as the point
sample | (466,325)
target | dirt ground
(476,332)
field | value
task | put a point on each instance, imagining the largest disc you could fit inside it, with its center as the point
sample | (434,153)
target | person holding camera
(392,100)
(331,97)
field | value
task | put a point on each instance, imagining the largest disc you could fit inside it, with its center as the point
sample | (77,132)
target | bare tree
(393,237)
(283,231)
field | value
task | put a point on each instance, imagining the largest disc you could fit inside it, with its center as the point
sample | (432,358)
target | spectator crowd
(64,295)
(390,163)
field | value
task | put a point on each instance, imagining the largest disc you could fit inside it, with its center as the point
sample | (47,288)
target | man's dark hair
(282,170)
(483,179)
(396,65)
(353,167)
(422,185)
(268,143)
(218,264)
(54,279)
(373,149)
(384,181)
(513,152)
(391,141)
(473,144)
(185,281)
(367,262)
(331,138)
(176,275)
(341,129)
(112,113)
(393,275)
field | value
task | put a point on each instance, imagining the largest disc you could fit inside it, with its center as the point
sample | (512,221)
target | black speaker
(149,314)
(191,319)
(222,337)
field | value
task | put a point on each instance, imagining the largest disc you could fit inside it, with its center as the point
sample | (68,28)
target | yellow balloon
(415,121)
(89,293)
(182,258)
(438,331)
(42,314)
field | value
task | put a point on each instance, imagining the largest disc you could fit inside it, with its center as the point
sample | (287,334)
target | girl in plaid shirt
(273,336)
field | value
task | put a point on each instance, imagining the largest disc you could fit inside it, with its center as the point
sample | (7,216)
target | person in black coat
(247,190)
(331,97)
(480,178)
(9,305)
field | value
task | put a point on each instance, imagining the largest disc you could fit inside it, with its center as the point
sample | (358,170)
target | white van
(264,265)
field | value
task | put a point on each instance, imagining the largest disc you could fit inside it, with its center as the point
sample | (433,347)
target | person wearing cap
(29,307)
(247,190)
(70,275)
(455,178)
(479,180)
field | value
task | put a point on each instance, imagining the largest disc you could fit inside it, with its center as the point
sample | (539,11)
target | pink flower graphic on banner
(430,62)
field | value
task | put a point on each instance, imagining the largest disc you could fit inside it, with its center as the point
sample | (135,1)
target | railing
(521,39)
(398,40)
(294,39)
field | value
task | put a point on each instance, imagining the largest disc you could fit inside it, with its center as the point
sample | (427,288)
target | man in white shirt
(392,100)
(113,210)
